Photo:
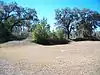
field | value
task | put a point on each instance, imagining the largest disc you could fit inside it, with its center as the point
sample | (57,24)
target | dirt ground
(76,58)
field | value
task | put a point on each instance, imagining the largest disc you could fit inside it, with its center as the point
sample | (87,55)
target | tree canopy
(12,15)
(84,21)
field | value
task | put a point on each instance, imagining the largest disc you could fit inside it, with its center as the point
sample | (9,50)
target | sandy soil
(76,58)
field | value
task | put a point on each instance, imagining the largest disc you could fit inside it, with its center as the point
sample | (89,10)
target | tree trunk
(68,33)
(68,36)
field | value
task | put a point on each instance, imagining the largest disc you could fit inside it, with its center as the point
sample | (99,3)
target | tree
(12,15)
(82,21)
(64,18)
(87,22)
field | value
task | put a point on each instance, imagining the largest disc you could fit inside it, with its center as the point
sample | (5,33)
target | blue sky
(45,8)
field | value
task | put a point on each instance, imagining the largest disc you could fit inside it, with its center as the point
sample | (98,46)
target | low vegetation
(42,34)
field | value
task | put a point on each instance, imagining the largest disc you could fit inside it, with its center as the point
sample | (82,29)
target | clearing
(76,58)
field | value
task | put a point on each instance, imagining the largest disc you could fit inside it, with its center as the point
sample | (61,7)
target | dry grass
(77,58)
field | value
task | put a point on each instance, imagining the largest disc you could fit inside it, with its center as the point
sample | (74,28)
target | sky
(46,8)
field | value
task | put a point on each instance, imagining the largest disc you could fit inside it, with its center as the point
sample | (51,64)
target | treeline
(17,22)
(78,23)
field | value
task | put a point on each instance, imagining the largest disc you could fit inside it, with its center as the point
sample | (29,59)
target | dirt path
(77,58)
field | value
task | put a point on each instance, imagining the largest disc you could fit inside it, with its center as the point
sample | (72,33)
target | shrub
(40,34)
(60,34)
(43,36)
(20,32)
(4,34)
(87,39)
(96,35)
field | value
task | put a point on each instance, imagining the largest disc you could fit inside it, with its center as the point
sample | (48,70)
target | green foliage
(16,22)
(87,24)
(53,35)
(4,34)
(64,18)
(41,33)
(82,21)
(58,37)
(60,34)
(12,15)
(97,35)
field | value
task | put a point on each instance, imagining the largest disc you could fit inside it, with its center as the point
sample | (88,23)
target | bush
(80,39)
(85,39)
(40,34)
(20,32)
(60,34)
(96,35)
(56,42)
(4,34)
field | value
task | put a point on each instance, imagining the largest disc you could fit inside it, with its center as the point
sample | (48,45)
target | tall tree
(12,15)
(88,21)
(82,21)
(64,18)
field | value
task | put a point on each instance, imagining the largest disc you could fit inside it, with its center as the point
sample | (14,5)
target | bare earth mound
(77,58)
